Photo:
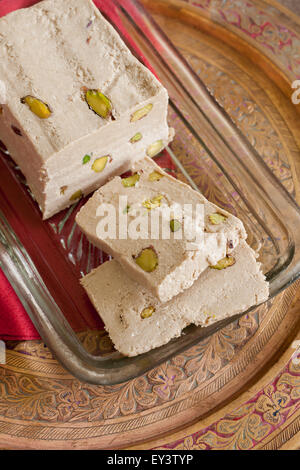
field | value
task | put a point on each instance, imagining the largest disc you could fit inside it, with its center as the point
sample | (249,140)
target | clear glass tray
(44,260)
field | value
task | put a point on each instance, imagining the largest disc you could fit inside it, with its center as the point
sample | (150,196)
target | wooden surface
(240,389)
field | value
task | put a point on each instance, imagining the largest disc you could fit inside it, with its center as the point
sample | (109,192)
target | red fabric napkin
(14,321)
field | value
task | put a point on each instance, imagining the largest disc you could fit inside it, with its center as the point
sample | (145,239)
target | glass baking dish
(44,260)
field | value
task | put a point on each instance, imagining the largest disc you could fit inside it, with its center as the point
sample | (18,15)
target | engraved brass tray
(44,260)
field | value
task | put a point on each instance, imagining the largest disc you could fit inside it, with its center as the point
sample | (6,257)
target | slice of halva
(137,322)
(164,261)
(76,106)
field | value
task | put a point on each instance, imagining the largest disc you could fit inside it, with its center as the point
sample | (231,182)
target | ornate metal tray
(65,413)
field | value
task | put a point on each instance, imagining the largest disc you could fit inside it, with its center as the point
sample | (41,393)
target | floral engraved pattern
(166,379)
(27,397)
(260,25)
(271,403)
(70,401)
(247,426)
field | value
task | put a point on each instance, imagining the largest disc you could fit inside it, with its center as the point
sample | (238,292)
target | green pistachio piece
(155,176)
(138,136)
(153,203)
(37,107)
(131,180)
(155,148)
(224,263)
(147,312)
(126,209)
(98,103)
(147,260)
(99,164)
(141,113)
(217,218)
(77,195)
(86,159)
(175,225)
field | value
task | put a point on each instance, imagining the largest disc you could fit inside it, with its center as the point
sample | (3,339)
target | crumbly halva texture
(70,87)
(137,322)
(164,266)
